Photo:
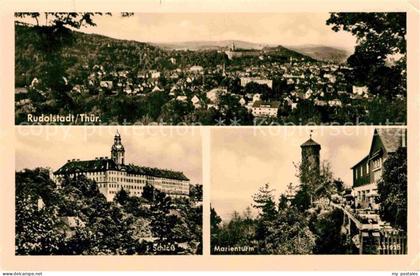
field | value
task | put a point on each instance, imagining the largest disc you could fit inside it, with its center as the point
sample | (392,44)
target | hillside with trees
(283,226)
(74,218)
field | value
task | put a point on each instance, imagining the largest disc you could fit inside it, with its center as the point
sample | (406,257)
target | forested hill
(82,50)
(323,53)
(87,50)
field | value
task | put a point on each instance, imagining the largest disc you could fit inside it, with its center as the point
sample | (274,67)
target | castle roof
(97,165)
(310,143)
(106,164)
(134,169)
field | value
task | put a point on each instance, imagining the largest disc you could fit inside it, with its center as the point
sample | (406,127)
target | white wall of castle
(110,182)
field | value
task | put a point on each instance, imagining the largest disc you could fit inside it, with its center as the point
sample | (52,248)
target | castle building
(368,171)
(112,174)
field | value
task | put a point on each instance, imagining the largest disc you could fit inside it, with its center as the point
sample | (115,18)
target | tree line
(306,223)
(76,219)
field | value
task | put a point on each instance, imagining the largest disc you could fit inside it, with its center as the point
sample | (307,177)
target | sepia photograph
(177,136)
(223,69)
(108,191)
(300,191)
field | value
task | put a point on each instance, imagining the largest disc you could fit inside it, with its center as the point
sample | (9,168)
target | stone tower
(310,156)
(117,150)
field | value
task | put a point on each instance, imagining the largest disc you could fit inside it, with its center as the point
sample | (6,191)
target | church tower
(310,155)
(117,150)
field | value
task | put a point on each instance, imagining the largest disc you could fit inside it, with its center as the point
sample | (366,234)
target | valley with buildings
(198,83)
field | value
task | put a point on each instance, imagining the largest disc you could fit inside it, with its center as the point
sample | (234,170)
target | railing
(392,243)
(386,241)
(360,225)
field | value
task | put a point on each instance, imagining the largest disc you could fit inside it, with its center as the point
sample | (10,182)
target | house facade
(265,109)
(368,171)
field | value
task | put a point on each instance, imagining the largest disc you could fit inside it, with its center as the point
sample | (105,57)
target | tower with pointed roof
(310,155)
(117,150)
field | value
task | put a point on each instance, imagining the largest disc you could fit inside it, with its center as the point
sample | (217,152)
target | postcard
(216,135)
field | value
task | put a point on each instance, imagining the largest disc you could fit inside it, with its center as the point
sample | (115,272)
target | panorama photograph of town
(319,166)
(210,69)
(107,192)
(297,191)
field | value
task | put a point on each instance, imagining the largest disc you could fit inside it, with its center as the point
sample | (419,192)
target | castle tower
(117,150)
(310,155)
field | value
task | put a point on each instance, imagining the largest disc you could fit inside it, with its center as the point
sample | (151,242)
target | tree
(36,184)
(264,201)
(247,214)
(380,110)
(239,231)
(305,113)
(302,199)
(122,197)
(37,230)
(379,37)
(46,230)
(339,185)
(37,227)
(392,190)
(231,110)
(175,111)
(263,89)
(215,220)
(55,33)
(82,199)
(78,220)
(196,192)
(148,192)
(66,19)
(315,183)
(283,202)
(327,229)
(382,33)
(289,234)
(162,221)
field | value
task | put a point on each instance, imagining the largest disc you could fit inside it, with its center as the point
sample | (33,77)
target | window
(377,163)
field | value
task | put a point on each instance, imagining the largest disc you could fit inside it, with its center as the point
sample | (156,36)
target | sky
(151,147)
(242,160)
(265,28)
